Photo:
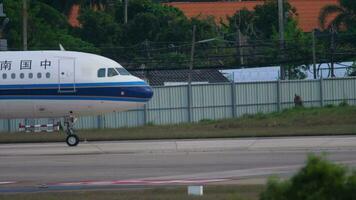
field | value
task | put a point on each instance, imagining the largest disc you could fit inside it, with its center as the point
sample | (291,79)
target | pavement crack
(252,144)
(100,149)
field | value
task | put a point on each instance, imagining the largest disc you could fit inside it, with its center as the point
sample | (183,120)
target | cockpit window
(112,72)
(122,71)
(101,72)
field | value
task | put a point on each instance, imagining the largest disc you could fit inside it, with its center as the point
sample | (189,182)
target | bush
(329,106)
(207,121)
(343,103)
(150,123)
(319,179)
(261,115)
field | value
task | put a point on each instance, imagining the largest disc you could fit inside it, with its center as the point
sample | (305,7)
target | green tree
(98,28)
(153,22)
(243,21)
(345,13)
(146,6)
(205,28)
(144,26)
(259,29)
(64,6)
(148,23)
(351,71)
(47,28)
(341,17)
(266,17)
(262,21)
(298,52)
(319,179)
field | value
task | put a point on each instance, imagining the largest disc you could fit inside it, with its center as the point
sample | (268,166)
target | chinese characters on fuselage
(46,63)
(25,64)
(7,65)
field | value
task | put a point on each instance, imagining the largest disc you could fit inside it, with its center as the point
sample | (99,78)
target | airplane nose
(147,92)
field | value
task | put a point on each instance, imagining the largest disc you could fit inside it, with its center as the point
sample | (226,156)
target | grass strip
(237,192)
(329,120)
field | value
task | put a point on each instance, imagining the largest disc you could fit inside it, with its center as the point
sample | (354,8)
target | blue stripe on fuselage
(71,98)
(56,85)
(114,91)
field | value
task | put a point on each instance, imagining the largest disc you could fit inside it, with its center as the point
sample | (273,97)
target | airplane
(69,84)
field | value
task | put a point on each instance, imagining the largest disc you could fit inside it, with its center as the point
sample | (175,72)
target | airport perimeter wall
(179,104)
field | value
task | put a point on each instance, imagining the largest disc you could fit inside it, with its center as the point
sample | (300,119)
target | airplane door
(66,72)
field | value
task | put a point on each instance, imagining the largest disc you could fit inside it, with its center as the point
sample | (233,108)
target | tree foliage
(260,28)
(298,47)
(262,22)
(345,17)
(47,28)
(159,36)
(318,180)
(98,28)
(148,24)
(64,6)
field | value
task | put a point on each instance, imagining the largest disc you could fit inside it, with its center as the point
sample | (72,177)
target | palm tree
(96,4)
(344,12)
(65,6)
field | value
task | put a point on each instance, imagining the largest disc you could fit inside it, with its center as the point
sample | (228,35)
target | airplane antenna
(61,47)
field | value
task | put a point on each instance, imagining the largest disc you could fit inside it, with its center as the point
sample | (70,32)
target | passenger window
(112,72)
(13,75)
(39,75)
(123,71)
(48,75)
(30,75)
(101,72)
(22,76)
(4,76)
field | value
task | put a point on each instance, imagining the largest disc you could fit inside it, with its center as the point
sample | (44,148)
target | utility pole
(5,21)
(240,39)
(281,34)
(314,55)
(125,11)
(192,57)
(147,45)
(24,24)
(190,99)
(239,50)
(332,48)
(238,44)
(147,52)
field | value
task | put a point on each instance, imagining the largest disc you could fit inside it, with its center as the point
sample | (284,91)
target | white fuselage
(51,84)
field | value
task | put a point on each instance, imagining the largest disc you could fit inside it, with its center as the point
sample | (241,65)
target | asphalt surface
(54,166)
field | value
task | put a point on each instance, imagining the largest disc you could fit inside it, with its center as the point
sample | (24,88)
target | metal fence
(179,104)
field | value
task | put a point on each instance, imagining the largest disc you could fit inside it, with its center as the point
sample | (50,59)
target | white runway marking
(6,182)
(138,182)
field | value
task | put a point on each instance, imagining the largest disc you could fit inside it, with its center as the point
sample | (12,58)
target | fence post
(9,125)
(233,99)
(321,83)
(145,110)
(279,95)
(190,114)
(99,121)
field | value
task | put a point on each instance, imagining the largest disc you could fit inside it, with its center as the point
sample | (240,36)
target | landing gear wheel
(72,140)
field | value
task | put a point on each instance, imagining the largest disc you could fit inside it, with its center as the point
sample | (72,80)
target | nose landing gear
(72,139)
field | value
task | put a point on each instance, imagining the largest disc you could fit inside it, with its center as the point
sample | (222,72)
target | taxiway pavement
(164,162)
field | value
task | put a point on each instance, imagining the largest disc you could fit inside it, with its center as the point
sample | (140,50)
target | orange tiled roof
(308,10)
(73,16)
